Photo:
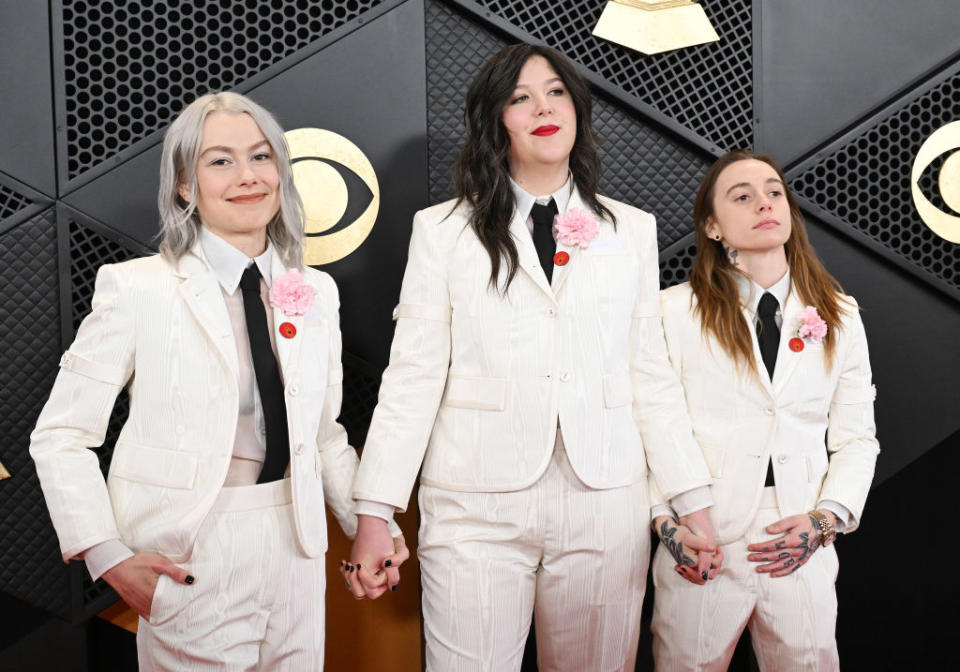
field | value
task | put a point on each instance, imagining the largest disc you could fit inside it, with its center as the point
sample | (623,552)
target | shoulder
(440,226)
(677,300)
(626,213)
(136,272)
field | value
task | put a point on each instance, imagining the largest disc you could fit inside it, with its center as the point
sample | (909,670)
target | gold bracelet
(827,532)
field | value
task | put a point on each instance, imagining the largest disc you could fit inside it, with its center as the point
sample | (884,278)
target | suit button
(293,389)
(565,376)
(551,312)
(298,449)
(781,459)
(769,410)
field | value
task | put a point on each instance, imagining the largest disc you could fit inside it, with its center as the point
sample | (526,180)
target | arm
(74,420)
(851,431)
(659,406)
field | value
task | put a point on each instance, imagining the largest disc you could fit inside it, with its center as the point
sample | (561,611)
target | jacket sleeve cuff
(105,556)
(692,500)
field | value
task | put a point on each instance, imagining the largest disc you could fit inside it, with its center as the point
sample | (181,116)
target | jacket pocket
(485,394)
(617,390)
(154,466)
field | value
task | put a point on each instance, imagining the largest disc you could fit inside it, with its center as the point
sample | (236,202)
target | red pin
(796,344)
(287,330)
(561,258)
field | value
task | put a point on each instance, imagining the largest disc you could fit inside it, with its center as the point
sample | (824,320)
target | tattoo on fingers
(667,538)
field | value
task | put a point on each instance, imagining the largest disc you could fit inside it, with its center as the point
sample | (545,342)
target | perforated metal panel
(866,182)
(641,165)
(30,564)
(130,67)
(707,88)
(675,267)
(89,250)
(11,202)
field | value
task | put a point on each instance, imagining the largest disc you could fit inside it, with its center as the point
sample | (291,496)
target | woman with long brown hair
(528,375)
(772,356)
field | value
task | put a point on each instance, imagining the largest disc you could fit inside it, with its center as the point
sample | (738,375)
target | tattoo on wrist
(808,544)
(732,254)
(667,534)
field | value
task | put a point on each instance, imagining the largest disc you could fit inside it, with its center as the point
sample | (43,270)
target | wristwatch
(827,531)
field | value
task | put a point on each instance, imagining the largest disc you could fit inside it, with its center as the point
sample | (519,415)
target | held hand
(786,554)
(135,579)
(374,559)
(710,557)
(686,549)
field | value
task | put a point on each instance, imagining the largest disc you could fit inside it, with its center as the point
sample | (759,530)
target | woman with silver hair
(210,522)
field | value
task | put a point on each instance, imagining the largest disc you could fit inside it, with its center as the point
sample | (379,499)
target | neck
(540,179)
(764,267)
(251,243)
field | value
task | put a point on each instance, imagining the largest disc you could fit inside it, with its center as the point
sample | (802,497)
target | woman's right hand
(135,579)
(686,547)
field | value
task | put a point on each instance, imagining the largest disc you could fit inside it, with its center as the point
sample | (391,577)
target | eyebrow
(549,81)
(229,150)
(747,184)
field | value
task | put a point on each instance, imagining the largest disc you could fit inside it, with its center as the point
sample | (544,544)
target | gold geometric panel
(655,26)
(942,140)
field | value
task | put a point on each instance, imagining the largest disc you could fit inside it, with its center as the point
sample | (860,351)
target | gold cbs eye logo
(942,140)
(323,164)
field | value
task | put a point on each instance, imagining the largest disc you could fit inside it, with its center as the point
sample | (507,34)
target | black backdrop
(843,94)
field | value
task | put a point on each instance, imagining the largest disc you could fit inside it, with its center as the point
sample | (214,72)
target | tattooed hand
(785,555)
(687,550)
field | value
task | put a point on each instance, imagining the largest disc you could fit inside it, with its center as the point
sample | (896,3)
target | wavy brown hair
(714,283)
(482,172)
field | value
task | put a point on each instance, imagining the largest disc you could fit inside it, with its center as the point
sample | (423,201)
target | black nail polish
(388,563)
(358,566)
(189,580)
(349,568)
(703,575)
(394,587)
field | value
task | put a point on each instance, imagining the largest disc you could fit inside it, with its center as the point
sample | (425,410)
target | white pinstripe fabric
(258,601)
(792,619)
(575,555)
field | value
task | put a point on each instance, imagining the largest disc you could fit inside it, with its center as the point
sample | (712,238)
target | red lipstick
(543,131)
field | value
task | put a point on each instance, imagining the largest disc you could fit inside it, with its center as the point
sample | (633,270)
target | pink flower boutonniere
(291,294)
(576,227)
(811,327)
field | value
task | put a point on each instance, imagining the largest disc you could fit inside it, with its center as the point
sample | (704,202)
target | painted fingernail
(358,566)
(703,575)
(189,580)
(394,587)
(679,571)
(388,563)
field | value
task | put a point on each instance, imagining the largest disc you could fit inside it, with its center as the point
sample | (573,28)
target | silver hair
(179,219)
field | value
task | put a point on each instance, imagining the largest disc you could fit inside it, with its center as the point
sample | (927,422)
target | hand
(710,557)
(135,579)
(785,555)
(374,559)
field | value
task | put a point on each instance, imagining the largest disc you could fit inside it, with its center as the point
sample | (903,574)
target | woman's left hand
(785,555)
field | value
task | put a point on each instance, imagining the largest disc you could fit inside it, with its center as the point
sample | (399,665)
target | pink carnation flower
(576,227)
(290,294)
(812,325)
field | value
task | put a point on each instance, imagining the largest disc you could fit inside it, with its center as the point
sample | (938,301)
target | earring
(717,237)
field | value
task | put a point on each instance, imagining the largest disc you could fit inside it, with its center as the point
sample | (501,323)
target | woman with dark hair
(210,523)
(772,356)
(528,374)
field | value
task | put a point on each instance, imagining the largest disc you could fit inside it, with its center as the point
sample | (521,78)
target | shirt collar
(524,200)
(750,291)
(228,263)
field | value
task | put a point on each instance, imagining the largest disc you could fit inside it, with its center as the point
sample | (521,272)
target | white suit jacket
(164,331)
(477,380)
(741,420)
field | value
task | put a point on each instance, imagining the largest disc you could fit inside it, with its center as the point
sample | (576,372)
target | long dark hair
(713,277)
(482,172)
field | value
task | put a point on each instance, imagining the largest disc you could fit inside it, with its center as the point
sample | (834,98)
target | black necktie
(768,336)
(543,235)
(268,378)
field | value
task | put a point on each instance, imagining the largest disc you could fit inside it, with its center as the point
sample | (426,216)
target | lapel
(200,290)
(751,318)
(527,254)
(561,273)
(288,349)
(787,359)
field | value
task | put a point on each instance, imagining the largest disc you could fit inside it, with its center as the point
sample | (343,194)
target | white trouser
(792,619)
(258,601)
(575,556)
